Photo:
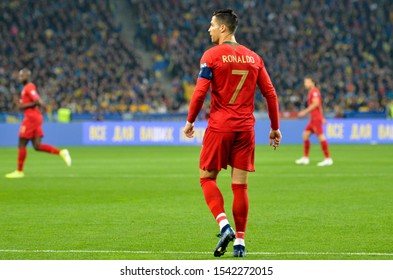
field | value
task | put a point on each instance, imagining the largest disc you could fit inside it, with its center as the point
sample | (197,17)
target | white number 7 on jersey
(244,74)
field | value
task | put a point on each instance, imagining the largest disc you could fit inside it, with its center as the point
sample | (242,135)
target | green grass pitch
(139,203)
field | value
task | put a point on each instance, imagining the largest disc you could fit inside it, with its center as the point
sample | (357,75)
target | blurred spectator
(389,110)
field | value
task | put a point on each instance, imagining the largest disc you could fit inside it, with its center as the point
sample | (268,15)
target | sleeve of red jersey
(315,93)
(269,92)
(201,88)
(32,92)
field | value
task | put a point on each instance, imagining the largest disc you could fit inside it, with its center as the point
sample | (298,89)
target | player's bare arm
(41,103)
(313,106)
(22,106)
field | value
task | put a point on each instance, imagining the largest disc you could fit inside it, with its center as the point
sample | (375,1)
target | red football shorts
(315,126)
(220,149)
(31,129)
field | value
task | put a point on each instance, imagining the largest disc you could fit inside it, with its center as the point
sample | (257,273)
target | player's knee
(36,147)
(321,137)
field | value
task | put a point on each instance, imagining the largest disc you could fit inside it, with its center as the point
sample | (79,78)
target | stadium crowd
(77,55)
(81,60)
(346,44)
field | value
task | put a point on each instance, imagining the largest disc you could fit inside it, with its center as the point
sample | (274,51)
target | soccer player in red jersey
(314,108)
(31,128)
(231,71)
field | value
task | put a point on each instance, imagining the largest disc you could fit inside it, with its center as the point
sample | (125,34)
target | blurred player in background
(314,101)
(231,71)
(31,128)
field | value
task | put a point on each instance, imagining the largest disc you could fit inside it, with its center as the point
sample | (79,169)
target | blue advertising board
(140,133)
(59,134)
(337,131)
(359,131)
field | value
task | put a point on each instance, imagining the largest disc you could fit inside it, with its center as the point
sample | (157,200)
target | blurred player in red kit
(31,128)
(317,120)
(231,71)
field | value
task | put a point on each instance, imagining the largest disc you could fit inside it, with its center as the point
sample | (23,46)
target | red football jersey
(232,72)
(29,94)
(315,114)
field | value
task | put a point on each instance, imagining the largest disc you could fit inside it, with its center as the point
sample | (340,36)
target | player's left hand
(275,138)
(189,129)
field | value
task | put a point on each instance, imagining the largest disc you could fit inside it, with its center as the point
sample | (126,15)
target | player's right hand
(275,138)
(189,129)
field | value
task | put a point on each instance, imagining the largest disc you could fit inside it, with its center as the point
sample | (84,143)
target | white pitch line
(346,175)
(198,253)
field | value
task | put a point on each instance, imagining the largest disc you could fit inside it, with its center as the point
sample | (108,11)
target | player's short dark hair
(227,17)
(26,70)
(312,78)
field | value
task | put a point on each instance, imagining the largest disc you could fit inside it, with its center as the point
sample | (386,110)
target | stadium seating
(81,60)
(347,45)
(78,56)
